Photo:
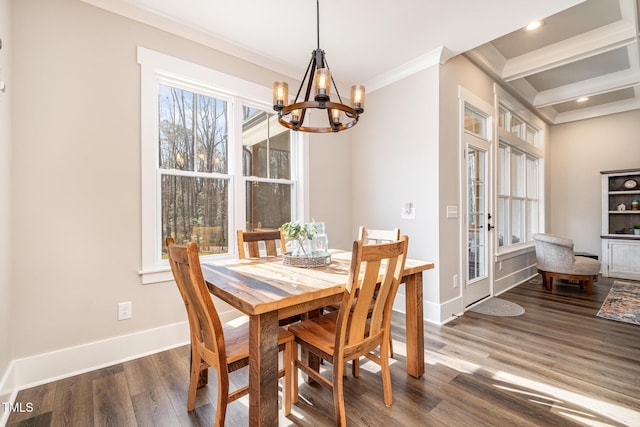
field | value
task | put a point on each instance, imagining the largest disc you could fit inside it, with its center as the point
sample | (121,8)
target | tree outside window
(193,169)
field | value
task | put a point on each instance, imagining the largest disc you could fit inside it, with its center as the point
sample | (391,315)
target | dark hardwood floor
(556,365)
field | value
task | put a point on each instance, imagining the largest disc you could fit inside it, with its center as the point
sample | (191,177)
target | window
(519,179)
(518,196)
(266,160)
(214,159)
(518,127)
(475,122)
(193,168)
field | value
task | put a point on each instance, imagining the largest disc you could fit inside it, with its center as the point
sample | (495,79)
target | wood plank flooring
(556,365)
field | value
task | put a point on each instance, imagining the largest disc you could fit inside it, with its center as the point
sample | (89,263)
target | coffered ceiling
(589,50)
(584,48)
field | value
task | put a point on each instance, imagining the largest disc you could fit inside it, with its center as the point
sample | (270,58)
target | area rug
(622,303)
(498,307)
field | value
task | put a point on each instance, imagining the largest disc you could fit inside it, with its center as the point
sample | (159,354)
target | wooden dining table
(267,290)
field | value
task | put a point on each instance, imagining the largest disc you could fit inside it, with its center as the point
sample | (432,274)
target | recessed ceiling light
(534,25)
(582,99)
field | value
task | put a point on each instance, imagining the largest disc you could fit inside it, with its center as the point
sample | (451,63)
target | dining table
(267,291)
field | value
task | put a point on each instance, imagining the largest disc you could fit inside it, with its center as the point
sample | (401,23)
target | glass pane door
(477,220)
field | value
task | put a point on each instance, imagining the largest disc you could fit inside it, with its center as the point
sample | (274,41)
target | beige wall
(579,151)
(76,173)
(5,193)
(330,189)
(395,160)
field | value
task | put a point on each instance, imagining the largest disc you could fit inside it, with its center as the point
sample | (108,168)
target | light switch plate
(411,215)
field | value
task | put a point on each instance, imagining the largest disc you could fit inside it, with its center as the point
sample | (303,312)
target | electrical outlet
(455,281)
(125,310)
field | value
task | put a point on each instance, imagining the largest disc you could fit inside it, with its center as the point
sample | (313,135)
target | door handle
(490,227)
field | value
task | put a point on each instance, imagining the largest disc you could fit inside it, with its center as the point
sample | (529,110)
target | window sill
(161,274)
(515,251)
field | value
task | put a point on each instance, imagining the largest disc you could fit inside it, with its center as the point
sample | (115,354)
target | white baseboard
(47,367)
(433,312)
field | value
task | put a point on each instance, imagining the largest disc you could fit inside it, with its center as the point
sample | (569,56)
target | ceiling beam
(591,87)
(597,111)
(594,42)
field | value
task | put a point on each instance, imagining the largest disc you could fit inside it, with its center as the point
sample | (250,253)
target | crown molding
(435,57)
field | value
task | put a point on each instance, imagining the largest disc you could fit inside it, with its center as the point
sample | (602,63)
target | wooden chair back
(204,322)
(183,292)
(364,318)
(252,240)
(370,236)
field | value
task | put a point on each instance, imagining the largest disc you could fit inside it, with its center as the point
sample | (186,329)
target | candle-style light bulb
(335,115)
(280,95)
(323,83)
(357,98)
(295,116)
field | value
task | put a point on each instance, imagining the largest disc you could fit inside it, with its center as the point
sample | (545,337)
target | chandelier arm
(312,68)
(306,73)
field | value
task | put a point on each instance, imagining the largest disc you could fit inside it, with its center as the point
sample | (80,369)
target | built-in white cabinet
(620,217)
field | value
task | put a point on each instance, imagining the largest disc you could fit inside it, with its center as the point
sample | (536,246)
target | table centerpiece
(310,245)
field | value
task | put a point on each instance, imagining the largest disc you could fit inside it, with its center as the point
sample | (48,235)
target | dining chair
(270,238)
(224,348)
(360,326)
(372,236)
(252,240)
(378,236)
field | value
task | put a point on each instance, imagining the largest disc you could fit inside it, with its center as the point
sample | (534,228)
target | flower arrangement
(303,234)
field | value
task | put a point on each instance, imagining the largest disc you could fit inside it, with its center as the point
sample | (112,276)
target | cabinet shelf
(620,247)
(624,192)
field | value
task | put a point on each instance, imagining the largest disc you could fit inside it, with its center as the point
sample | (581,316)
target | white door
(476,242)
(478,222)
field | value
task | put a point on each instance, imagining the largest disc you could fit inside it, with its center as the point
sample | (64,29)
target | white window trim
(537,150)
(155,67)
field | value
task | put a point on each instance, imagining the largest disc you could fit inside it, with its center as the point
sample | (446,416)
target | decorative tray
(306,262)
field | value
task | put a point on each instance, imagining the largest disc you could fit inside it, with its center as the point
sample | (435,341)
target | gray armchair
(556,259)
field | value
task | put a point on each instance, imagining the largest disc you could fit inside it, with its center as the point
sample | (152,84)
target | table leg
(263,369)
(414,325)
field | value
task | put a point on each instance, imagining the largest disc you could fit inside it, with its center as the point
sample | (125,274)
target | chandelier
(339,115)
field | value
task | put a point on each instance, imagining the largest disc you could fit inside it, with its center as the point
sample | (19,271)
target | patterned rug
(622,303)
(498,307)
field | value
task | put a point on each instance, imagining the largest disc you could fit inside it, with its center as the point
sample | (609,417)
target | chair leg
(355,368)
(223,396)
(338,393)
(385,371)
(589,285)
(294,373)
(196,366)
